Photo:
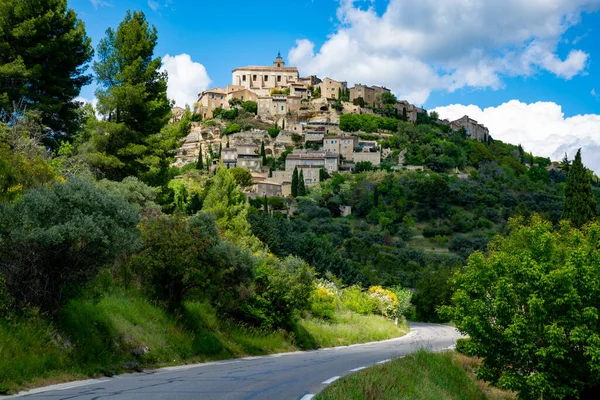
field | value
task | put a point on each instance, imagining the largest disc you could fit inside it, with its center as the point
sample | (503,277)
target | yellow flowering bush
(324,299)
(386,301)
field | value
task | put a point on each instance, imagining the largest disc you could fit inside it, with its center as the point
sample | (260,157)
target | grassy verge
(422,375)
(122,332)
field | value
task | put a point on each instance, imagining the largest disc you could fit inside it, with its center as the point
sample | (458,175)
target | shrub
(354,299)
(281,289)
(250,106)
(323,299)
(52,241)
(242,176)
(386,301)
(273,132)
(232,128)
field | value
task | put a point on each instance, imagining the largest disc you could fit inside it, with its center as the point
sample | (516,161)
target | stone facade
(311,175)
(319,159)
(331,88)
(370,94)
(278,104)
(474,129)
(372,157)
(342,144)
(261,80)
(269,188)
(210,100)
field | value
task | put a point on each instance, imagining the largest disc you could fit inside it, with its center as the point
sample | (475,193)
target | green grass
(349,328)
(422,375)
(121,331)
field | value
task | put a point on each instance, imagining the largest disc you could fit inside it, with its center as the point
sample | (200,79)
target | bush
(242,176)
(52,241)
(250,106)
(281,289)
(183,255)
(354,299)
(232,128)
(323,300)
(273,132)
(386,301)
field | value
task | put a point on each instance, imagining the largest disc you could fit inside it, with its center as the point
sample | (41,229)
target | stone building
(342,144)
(278,104)
(330,88)
(210,100)
(269,188)
(262,79)
(374,157)
(411,110)
(241,93)
(474,129)
(311,173)
(319,159)
(370,94)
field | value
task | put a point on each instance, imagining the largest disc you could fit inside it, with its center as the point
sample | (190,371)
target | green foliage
(367,123)
(536,283)
(132,97)
(133,190)
(242,176)
(580,205)
(44,54)
(422,375)
(363,166)
(281,289)
(181,256)
(295,183)
(54,240)
(250,106)
(301,185)
(232,128)
(273,132)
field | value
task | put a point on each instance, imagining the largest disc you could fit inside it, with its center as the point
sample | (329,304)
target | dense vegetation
(107,251)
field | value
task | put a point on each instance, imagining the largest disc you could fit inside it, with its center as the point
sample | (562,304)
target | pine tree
(263,154)
(44,56)
(295,183)
(200,163)
(301,186)
(580,205)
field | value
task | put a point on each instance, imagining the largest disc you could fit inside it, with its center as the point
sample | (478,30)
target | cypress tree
(301,187)
(580,205)
(266,204)
(295,183)
(200,163)
(565,164)
(404,115)
(263,154)
(220,149)
(521,154)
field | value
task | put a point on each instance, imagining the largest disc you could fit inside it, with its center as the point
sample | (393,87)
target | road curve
(279,376)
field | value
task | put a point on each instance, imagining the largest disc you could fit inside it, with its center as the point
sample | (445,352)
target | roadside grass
(422,375)
(121,331)
(348,328)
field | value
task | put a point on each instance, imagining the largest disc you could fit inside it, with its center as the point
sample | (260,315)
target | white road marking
(384,361)
(330,380)
(357,369)
(307,397)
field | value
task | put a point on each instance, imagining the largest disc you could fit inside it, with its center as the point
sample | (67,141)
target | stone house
(278,104)
(210,100)
(319,159)
(374,157)
(474,129)
(311,175)
(241,93)
(269,188)
(330,88)
(342,144)
(370,94)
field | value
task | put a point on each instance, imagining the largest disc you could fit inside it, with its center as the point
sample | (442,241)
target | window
(278,78)
(212,96)
(244,78)
(282,108)
(221,97)
(253,77)
(266,78)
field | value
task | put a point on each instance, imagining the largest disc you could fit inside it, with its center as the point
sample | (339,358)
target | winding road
(297,375)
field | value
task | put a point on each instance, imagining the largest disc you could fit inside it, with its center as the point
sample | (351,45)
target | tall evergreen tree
(404,115)
(263,153)
(565,164)
(266,204)
(200,162)
(132,96)
(220,149)
(521,154)
(301,186)
(580,205)
(44,56)
(295,183)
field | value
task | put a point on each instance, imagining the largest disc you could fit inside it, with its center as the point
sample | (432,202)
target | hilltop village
(299,118)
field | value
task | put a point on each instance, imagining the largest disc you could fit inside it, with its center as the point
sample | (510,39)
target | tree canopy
(44,54)
(580,205)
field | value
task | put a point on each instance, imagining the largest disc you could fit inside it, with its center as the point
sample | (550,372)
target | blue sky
(530,71)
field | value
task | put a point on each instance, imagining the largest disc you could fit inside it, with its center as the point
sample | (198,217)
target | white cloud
(416,47)
(93,102)
(186,78)
(156,5)
(539,127)
(594,94)
(100,3)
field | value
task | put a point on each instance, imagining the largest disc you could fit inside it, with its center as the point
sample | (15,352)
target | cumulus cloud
(93,102)
(186,78)
(539,127)
(417,47)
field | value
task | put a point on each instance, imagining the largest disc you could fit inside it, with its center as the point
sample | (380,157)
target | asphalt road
(280,376)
